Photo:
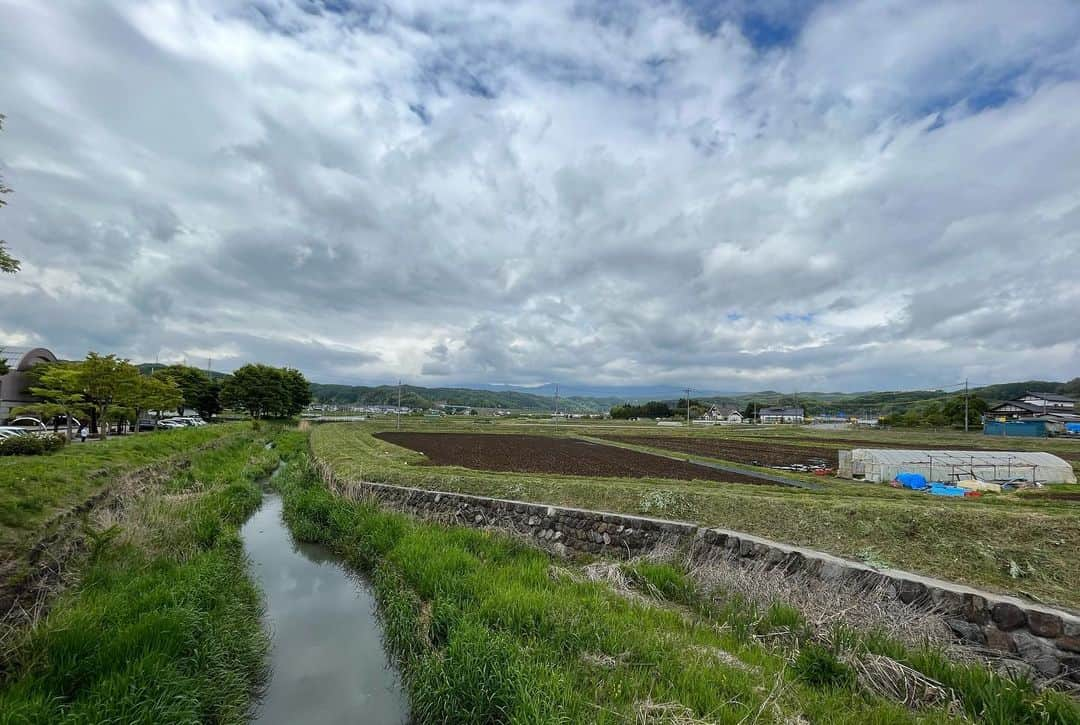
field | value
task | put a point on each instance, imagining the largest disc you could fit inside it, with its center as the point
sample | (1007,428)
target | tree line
(107,390)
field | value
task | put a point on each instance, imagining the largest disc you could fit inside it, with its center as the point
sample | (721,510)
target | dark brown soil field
(540,454)
(738,451)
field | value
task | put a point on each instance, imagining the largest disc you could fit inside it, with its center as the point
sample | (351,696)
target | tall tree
(256,389)
(298,392)
(261,391)
(199,391)
(144,393)
(59,386)
(7,262)
(102,380)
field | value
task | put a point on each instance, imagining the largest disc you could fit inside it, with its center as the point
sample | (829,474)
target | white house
(721,414)
(781,415)
(1049,402)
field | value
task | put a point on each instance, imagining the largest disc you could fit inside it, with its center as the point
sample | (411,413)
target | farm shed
(883,464)
(1027,428)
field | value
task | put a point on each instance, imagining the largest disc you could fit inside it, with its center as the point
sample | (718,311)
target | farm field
(544,454)
(749,452)
(1022,544)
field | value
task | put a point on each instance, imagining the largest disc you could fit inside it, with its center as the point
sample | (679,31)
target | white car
(11,432)
(30,425)
(170,424)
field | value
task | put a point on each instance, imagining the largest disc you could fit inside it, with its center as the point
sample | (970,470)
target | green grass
(34,488)
(1023,544)
(164,623)
(486,631)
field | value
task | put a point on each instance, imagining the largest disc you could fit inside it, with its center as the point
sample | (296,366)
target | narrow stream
(328,662)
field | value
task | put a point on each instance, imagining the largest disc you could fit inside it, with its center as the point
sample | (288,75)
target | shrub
(31,445)
(818,666)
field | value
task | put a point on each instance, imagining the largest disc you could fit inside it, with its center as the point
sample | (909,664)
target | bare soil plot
(738,451)
(541,454)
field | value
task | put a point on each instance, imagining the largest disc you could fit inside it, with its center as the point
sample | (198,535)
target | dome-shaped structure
(15,385)
(33,357)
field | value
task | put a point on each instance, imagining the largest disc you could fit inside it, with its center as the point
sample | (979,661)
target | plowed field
(738,451)
(540,454)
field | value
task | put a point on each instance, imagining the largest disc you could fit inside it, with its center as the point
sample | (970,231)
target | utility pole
(399,403)
(688,407)
(556,408)
(965,405)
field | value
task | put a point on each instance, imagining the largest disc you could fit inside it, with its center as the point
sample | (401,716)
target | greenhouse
(883,464)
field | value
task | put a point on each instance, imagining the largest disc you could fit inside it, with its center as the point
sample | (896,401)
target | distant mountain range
(575,398)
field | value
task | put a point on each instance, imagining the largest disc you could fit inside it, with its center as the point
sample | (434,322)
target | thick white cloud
(865,194)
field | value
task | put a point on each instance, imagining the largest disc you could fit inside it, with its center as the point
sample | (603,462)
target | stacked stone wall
(1048,639)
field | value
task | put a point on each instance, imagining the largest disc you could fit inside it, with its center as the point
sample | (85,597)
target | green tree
(5,368)
(58,385)
(102,379)
(256,389)
(297,392)
(7,262)
(208,399)
(199,391)
(261,391)
(145,393)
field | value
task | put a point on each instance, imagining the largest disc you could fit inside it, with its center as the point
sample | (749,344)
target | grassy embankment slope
(488,630)
(34,488)
(1020,544)
(161,622)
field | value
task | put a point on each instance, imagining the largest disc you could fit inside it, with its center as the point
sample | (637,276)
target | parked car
(11,432)
(28,423)
(170,424)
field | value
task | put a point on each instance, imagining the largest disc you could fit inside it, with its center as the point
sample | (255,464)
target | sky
(730,195)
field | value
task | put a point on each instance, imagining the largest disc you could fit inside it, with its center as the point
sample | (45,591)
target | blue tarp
(941,489)
(1072,427)
(915,481)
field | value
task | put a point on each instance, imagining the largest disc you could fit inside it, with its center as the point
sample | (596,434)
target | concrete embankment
(1046,638)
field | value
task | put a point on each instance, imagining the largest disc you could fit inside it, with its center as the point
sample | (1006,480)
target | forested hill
(419,397)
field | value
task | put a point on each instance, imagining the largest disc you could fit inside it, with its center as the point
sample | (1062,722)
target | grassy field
(34,488)
(1024,544)
(491,630)
(163,622)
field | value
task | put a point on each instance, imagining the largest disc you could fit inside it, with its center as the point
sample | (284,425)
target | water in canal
(328,661)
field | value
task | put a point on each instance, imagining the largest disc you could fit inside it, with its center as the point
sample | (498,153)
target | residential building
(1049,402)
(721,414)
(781,415)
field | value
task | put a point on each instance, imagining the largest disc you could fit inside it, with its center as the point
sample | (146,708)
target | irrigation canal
(327,659)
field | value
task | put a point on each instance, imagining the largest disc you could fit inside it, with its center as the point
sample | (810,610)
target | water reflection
(328,662)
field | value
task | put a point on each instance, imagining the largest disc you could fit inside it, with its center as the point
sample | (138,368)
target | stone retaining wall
(1045,638)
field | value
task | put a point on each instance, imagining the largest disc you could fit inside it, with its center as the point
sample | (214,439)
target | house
(721,414)
(15,385)
(1049,402)
(1034,405)
(781,415)
(1014,409)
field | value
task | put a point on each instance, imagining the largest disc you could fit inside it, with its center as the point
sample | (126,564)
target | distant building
(1024,427)
(781,415)
(1049,407)
(15,386)
(1049,402)
(722,414)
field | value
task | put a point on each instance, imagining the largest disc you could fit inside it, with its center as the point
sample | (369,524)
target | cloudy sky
(732,195)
